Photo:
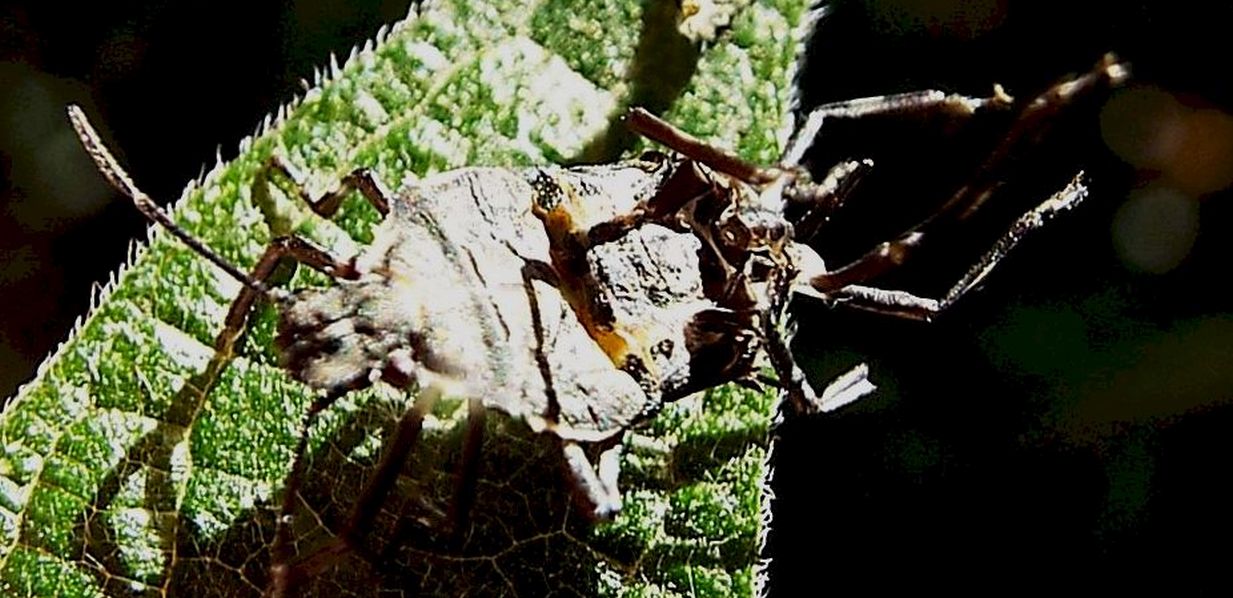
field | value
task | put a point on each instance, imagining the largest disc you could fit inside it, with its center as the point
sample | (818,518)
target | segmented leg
(597,487)
(664,133)
(924,103)
(297,248)
(799,393)
(467,476)
(1033,122)
(327,203)
(255,283)
(823,199)
(286,576)
(907,305)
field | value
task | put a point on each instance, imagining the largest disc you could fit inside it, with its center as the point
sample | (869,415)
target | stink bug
(580,300)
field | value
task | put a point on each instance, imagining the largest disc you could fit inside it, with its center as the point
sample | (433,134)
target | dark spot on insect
(548,193)
(663,347)
(332,346)
(652,159)
(636,368)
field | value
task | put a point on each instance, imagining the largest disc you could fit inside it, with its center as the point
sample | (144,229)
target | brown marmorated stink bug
(580,300)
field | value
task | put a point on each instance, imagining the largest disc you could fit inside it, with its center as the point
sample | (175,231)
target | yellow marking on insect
(567,224)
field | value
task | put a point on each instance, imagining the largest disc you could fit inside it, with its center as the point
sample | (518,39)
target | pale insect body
(458,294)
(447,292)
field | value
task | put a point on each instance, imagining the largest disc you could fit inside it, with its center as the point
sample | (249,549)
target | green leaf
(140,461)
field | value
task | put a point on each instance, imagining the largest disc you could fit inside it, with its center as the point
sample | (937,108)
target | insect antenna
(115,174)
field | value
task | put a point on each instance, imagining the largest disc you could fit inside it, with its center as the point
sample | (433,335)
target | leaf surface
(142,462)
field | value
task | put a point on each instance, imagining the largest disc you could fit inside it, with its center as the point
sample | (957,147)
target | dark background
(1065,426)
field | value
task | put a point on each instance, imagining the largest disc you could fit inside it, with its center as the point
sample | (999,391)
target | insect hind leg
(287,576)
(467,476)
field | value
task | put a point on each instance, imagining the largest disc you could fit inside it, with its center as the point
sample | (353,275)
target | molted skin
(480,279)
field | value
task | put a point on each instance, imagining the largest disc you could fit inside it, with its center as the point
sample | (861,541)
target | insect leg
(327,204)
(907,305)
(686,184)
(598,487)
(468,469)
(664,133)
(791,378)
(925,103)
(255,282)
(1032,123)
(825,198)
(286,576)
(297,248)
(255,285)
(800,394)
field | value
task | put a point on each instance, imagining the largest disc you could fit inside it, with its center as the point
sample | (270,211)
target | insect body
(580,300)
(477,286)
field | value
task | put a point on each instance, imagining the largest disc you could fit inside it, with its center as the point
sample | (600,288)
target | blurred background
(1066,425)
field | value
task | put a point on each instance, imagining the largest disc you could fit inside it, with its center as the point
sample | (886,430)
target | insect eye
(770,232)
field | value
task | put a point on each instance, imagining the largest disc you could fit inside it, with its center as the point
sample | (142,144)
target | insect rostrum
(580,300)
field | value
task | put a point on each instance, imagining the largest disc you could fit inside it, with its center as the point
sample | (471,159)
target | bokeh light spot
(1153,130)
(1155,229)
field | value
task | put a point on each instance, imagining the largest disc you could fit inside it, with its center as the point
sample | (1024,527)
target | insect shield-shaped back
(644,283)
(458,289)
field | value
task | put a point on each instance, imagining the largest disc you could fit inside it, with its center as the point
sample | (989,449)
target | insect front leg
(906,305)
(1035,119)
(925,104)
